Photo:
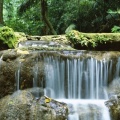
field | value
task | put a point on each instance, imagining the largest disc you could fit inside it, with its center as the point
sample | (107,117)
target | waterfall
(17,76)
(81,83)
(35,74)
(0,61)
(75,78)
(84,109)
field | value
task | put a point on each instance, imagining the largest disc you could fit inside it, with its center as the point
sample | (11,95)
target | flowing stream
(77,79)
(80,82)
(17,76)
(85,109)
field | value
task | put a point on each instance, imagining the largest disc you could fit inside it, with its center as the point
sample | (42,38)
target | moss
(7,36)
(87,39)
(47,48)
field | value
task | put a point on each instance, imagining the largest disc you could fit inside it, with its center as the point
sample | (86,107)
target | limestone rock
(22,105)
(44,45)
(20,67)
(114,99)
(114,106)
(114,87)
(27,66)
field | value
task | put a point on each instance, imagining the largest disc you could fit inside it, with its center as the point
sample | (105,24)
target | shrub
(7,36)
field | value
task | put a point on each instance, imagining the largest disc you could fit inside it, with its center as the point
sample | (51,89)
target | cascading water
(79,81)
(83,109)
(17,76)
(35,75)
(0,61)
(84,81)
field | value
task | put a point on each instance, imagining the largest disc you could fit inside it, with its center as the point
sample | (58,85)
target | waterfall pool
(86,109)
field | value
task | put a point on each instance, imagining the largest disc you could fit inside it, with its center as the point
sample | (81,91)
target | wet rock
(94,41)
(43,45)
(28,67)
(22,105)
(61,39)
(114,106)
(37,92)
(97,41)
(18,71)
(114,86)
(113,102)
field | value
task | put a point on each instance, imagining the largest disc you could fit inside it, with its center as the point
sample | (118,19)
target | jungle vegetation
(44,17)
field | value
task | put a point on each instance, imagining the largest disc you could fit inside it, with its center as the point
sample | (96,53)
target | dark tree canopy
(43,17)
(1,12)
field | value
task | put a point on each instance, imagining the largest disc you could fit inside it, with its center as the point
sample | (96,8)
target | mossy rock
(10,38)
(7,36)
(93,40)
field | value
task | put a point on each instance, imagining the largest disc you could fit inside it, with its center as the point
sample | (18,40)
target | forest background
(44,17)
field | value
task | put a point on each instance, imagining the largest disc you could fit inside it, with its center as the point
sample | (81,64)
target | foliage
(85,40)
(86,15)
(115,29)
(7,36)
(28,21)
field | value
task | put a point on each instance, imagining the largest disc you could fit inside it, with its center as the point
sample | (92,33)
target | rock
(21,69)
(114,87)
(114,106)
(43,45)
(61,39)
(37,92)
(94,41)
(114,99)
(9,38)
(16,66)
(22,105)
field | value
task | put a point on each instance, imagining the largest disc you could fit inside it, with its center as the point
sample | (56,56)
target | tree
(1,12)
(42,17)
(44,12)
(26,6)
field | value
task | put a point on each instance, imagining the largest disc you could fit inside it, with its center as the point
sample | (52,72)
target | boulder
(114,106)
(113,103)
(114,86)
(9,38)
(23,105)
(94,41)
(18,71)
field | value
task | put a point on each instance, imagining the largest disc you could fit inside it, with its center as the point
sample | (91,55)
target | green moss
(52,48)
(47,48)
(89,40)
(7,36)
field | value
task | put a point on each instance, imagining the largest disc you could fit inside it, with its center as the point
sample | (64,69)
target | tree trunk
(45,17)
(1,12)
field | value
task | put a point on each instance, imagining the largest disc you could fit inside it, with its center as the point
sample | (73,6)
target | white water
(75,78)
(82,80)
(36,79)
(86,109)
(1,61)
(17,76)
(35,75)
